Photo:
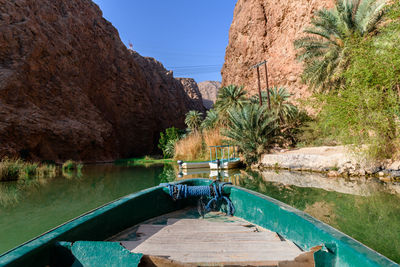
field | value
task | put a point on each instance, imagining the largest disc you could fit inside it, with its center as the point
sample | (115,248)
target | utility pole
(257,66)
(266,78)
(259,86)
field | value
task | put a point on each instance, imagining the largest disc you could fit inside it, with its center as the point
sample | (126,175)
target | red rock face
(265,30)
(209,91)
(69,88)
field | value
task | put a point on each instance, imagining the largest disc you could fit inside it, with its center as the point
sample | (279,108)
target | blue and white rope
(215,191)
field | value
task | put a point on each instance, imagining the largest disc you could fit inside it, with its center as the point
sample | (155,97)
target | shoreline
(334,161)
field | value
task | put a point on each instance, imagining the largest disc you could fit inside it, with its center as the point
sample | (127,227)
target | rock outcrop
(265,30)
(209,91)
(192,90)
(69,88)
(334,160)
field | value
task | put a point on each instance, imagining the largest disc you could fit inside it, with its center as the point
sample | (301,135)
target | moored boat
(142,226)
(195,165)
(225,164)
(225,157)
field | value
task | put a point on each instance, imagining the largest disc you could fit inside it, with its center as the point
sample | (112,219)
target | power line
(194,67)
(195,73)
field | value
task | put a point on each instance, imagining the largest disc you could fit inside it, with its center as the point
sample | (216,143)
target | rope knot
(212,193)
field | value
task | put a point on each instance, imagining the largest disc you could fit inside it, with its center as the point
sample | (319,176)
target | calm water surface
(369,211)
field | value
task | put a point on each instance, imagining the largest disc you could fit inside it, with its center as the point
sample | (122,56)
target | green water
(367,211)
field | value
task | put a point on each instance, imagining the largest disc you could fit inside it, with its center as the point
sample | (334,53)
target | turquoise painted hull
(108,220)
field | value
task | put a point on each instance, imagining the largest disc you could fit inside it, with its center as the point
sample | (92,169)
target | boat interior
(185,238)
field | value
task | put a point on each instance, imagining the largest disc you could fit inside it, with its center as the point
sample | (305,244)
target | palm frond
(193,119)
(322,51)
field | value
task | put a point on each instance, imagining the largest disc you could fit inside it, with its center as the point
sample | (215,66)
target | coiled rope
(214,192)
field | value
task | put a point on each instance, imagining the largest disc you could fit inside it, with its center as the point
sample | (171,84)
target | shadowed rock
(69,88)
(209,91)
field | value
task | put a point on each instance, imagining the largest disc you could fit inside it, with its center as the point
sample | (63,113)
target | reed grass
(71,165)
(189,148)
(17,169)
(195,146)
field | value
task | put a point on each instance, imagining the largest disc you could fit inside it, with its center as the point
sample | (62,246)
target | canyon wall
(70,89)
(209,91)
(265,30)
(192,90)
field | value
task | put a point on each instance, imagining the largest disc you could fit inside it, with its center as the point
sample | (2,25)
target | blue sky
(188,37)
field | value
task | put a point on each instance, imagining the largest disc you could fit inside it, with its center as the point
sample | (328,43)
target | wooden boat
(222,162)
(195,165)
(225,164)
(150,227)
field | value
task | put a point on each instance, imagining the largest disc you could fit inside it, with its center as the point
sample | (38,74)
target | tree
(253,128)
(323,51)
(193,120)
(230,97)
(280,105)
(210,120)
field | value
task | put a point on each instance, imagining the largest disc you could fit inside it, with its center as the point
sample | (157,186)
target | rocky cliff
(265,30)
(192,90)
(69,88)
(209,91)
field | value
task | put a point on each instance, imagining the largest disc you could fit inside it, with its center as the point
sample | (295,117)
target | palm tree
(253,128)
(324,50)
(210,120)
(280,105)
(193,120)
(230,97)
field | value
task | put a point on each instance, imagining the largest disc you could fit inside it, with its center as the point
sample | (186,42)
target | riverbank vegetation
(12,170)
(18,169)
(352,61)
(71,165)
(144,161)
(239,120)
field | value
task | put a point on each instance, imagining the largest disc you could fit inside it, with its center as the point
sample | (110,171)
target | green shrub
(71,165)
(10,169)
(167,141)
(46,170)
(28,170)
(366,109)
(254,129)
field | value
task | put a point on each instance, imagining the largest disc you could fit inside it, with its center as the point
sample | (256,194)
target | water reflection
(231,175)
(29,208)
(366,209)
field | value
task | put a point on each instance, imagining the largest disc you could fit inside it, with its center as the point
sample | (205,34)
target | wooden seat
(211,242)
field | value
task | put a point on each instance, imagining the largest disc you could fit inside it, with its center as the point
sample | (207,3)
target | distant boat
(195,165)
(232,163)
(220,162)
(160,226)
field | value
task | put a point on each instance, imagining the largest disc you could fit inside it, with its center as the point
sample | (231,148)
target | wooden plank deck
(214,240)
